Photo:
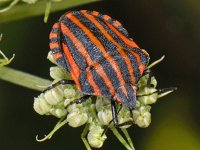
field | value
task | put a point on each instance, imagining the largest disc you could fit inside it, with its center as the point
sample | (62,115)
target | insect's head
(126,94)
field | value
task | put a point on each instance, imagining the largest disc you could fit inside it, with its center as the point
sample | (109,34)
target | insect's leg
(80,100)
(61,82)
(114,112)
(160,91)
(107,126)
(125,123)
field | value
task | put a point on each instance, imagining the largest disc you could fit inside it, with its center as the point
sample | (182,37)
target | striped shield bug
(101,58)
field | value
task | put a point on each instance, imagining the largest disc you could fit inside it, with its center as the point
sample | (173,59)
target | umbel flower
(96,113)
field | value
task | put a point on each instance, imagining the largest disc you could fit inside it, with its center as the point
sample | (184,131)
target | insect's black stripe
(143,58)
(110,72)
(135,66)
(130,92)
(79,59)
(111,21)
(109,46)
(55,50)
(91,48)
(63,63)
(55,30)
(53,40)
(86,88)
(62,60)
(100,82)
(131,97)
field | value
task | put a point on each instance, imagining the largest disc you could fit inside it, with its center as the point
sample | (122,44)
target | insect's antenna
(161,92)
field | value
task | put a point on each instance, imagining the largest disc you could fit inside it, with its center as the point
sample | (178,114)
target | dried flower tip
(95,137)
(5,60)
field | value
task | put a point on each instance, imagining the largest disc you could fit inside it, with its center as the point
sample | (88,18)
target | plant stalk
(23,10)
(120,138)
(24,79)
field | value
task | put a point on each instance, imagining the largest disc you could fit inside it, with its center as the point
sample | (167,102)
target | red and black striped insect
(99,55)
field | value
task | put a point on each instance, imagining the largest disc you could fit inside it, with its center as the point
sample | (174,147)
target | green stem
(23,79)
(60,123)
(24,10)
(120,138)
(13,3)
(83,137)
(128,138)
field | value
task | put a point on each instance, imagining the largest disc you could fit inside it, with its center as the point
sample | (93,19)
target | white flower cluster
(97,113)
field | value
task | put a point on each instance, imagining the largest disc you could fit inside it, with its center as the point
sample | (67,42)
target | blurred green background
(170,28)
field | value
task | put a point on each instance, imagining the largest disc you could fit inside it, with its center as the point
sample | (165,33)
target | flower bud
(58,112)
(54,96)
(57,73)
(40,105)
(95,137)
(105,116)
(142,116)
(102,103)
(69,92)
(76,119)
(144,120)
